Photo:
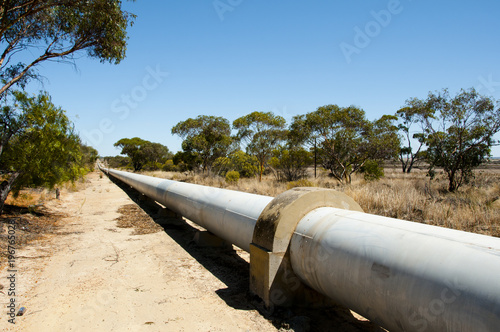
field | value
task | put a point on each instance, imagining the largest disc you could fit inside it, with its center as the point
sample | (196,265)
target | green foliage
(169,166)
(51,29)
(12,122)
(144,153)
(302,131)
(45,150)
(89,156)
(346,139)
(372,170)
(261,132)
(153,166)
(459,132)
(245,164)
(207,137)
(186,161)
(290,164)
(232,177)
(117,161)
(383,139)
(409,116)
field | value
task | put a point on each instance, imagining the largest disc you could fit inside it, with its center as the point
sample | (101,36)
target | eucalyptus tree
(36,31)
(290,162)
(261,132)
(412,139)
(459,132)
(239,161)
(39,145)
(346,139)
(207,137)
(142,152)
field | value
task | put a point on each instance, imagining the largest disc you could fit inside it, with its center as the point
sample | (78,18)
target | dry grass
(37,196)
(474,207)
(29,197)
(134,217)
(33,221)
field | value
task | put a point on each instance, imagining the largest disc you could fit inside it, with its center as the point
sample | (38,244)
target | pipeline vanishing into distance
(402,275)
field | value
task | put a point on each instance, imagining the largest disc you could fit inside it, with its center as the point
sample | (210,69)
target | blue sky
(232,57)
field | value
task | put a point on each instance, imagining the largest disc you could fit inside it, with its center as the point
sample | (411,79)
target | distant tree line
(342,139)
(451,133)
(144,154)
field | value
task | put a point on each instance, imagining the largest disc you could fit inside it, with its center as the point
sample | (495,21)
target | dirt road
(94,276)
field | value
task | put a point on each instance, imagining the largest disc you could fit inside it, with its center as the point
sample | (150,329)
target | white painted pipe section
(229,214)
(402,275)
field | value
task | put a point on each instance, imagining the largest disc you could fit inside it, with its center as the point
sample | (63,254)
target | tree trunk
(261,171)
(346,176)
(410,164)
(409,168)
(5,187)
(403,164)
(451,185)
(315,158)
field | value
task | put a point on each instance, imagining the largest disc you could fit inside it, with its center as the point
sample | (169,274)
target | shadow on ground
(233,271)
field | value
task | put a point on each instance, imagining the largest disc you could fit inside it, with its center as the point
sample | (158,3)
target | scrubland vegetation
(420,164)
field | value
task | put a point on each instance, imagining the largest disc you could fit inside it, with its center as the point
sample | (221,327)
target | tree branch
(29,12)
(49,54)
